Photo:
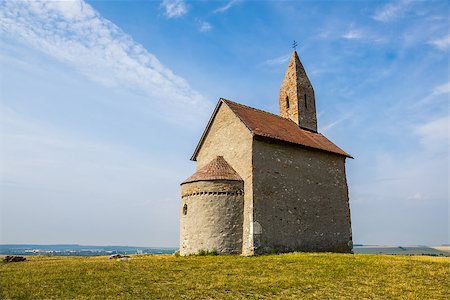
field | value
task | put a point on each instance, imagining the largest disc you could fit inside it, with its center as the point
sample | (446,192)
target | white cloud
(226,7)
(174,8)
(352,34)
(336,122)
(416,196)
(74,33)
(278,60)
(443,89)
(391,11)
(434,135)
(442,43)
(204,26)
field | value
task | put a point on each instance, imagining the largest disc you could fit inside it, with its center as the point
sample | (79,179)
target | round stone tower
(212,210)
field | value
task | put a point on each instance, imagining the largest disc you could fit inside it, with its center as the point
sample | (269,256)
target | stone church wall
(300,200)
(229,138)
(211,217)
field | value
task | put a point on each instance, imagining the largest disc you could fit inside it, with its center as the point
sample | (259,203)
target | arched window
(306,103)
(287,102)
(185,209)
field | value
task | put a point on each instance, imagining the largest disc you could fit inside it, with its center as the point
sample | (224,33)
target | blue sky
(103,102)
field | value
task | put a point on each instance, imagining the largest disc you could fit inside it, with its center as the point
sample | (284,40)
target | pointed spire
(217,169)
(297,101)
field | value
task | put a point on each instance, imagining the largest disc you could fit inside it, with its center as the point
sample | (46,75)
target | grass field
(286,276)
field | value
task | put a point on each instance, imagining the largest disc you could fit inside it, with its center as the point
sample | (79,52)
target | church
(267,183)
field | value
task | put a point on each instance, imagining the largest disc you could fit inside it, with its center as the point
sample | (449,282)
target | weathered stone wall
(211,217)
(300,200)
(229,138)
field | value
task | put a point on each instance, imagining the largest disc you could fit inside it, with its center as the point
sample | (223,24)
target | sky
(103,102)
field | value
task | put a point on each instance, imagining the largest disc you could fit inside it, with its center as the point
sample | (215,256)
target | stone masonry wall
(229,138)
(211,217)
(300,200)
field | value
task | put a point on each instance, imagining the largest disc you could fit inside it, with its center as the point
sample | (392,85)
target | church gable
(227,136)
(207,132)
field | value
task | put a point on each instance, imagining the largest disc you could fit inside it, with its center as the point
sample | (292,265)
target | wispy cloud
(204,26)
(278,60)
(174,8)
(362,36)
(74,33)
(226,7)
(336,122)
(352,34)
(443,89)
(434,135)
(391,11)
(416,196)
(441,43)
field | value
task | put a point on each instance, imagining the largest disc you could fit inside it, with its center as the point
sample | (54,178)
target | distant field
(404,250)
(87,250)
(286,276)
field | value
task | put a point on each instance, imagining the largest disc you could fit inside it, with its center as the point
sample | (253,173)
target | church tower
(297,100)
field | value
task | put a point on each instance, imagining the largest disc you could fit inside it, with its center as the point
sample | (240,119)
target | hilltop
(286,276)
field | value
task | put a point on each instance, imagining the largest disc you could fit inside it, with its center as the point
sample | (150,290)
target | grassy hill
(286,276)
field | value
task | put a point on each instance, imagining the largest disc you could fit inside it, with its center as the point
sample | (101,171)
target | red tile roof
(217,169)
(264,124)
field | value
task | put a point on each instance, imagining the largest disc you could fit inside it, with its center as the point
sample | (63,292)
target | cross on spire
(294,45)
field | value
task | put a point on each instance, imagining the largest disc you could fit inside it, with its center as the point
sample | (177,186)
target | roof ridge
(269,113)
(260,110)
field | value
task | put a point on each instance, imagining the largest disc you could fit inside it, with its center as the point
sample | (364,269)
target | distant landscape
(79,250)
(89,250)
(443,250)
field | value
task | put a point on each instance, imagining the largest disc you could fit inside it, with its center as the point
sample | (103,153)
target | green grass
(286,276)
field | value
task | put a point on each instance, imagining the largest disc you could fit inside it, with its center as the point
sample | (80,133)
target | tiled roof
(217,169)
(268,125)
(265,124)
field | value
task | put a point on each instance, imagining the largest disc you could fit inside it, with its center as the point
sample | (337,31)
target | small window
(306,103)
(185,209)
(287,102)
